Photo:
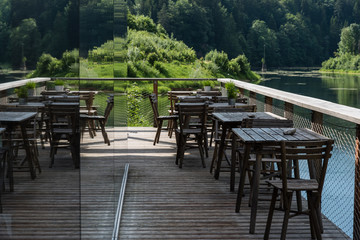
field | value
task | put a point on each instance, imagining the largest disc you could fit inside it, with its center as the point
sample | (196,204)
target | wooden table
(11,120)
(230,120)
(257,138)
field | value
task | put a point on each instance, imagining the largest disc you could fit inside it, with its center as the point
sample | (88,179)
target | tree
(260,37)
(350,40)
(189,23)
(24,42)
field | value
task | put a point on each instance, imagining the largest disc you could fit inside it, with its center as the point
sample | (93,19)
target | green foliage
(30,85)
(347,58)
(131,69)
(68,65)
(218,58)
(350,40)
(59,82)
(144,23)
(134,99)
(21,92)
(232,90)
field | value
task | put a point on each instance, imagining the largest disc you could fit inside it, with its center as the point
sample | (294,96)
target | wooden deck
(161,200)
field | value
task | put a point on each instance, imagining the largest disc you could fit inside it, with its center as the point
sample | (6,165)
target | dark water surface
(337,88)
(9,76)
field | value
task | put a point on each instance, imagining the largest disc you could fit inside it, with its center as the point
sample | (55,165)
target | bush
(218,58)
(152,57)
(43,65)
(131,70)
(161,68)
(234,68)
(69,59)
(146,70)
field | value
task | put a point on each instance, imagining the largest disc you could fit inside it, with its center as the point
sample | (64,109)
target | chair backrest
(209,93)
(195,100)
(192,113)
(109,107)
(221,99)
(229,108)
(173,97)
(62,98)
(316,153)
(266,123)
(64,115)
(248,108)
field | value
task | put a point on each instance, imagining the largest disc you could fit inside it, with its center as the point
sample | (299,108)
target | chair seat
(190,131)
(62,130)
(296,184)
(85,111)
(91,117)
(170,117)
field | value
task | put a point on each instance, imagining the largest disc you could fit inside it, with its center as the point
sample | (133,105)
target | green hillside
(147,51)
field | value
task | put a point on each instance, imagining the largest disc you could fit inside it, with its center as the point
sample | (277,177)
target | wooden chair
(101,120)
(188,115)
(65,129)
(173,98)
(158,119)
(316,153)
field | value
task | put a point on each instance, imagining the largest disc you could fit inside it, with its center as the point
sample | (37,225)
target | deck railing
(341,196)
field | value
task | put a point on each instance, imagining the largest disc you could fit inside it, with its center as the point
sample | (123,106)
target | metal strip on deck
(120,204)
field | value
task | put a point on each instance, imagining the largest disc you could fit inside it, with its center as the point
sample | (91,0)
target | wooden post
(268,104)
(252,96)
(317,122)
(155,87)
(241,92)
(356,226)
(289,111)
(155,90)
(3,97)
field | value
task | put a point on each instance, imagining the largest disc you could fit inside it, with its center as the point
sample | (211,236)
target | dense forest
(288,32)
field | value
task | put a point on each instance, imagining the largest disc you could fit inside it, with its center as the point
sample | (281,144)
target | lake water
(9,76)
(337,88)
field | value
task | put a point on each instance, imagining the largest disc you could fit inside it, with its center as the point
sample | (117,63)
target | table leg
(255,192)
(242,178)
(28,152)
(233,163)
(221,151)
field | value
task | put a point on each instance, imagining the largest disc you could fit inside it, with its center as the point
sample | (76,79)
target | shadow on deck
(161,200)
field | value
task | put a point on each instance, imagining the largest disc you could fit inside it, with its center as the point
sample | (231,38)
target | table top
(237,117)
(224,104)
(28,104)
(275,135)
(16,117)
